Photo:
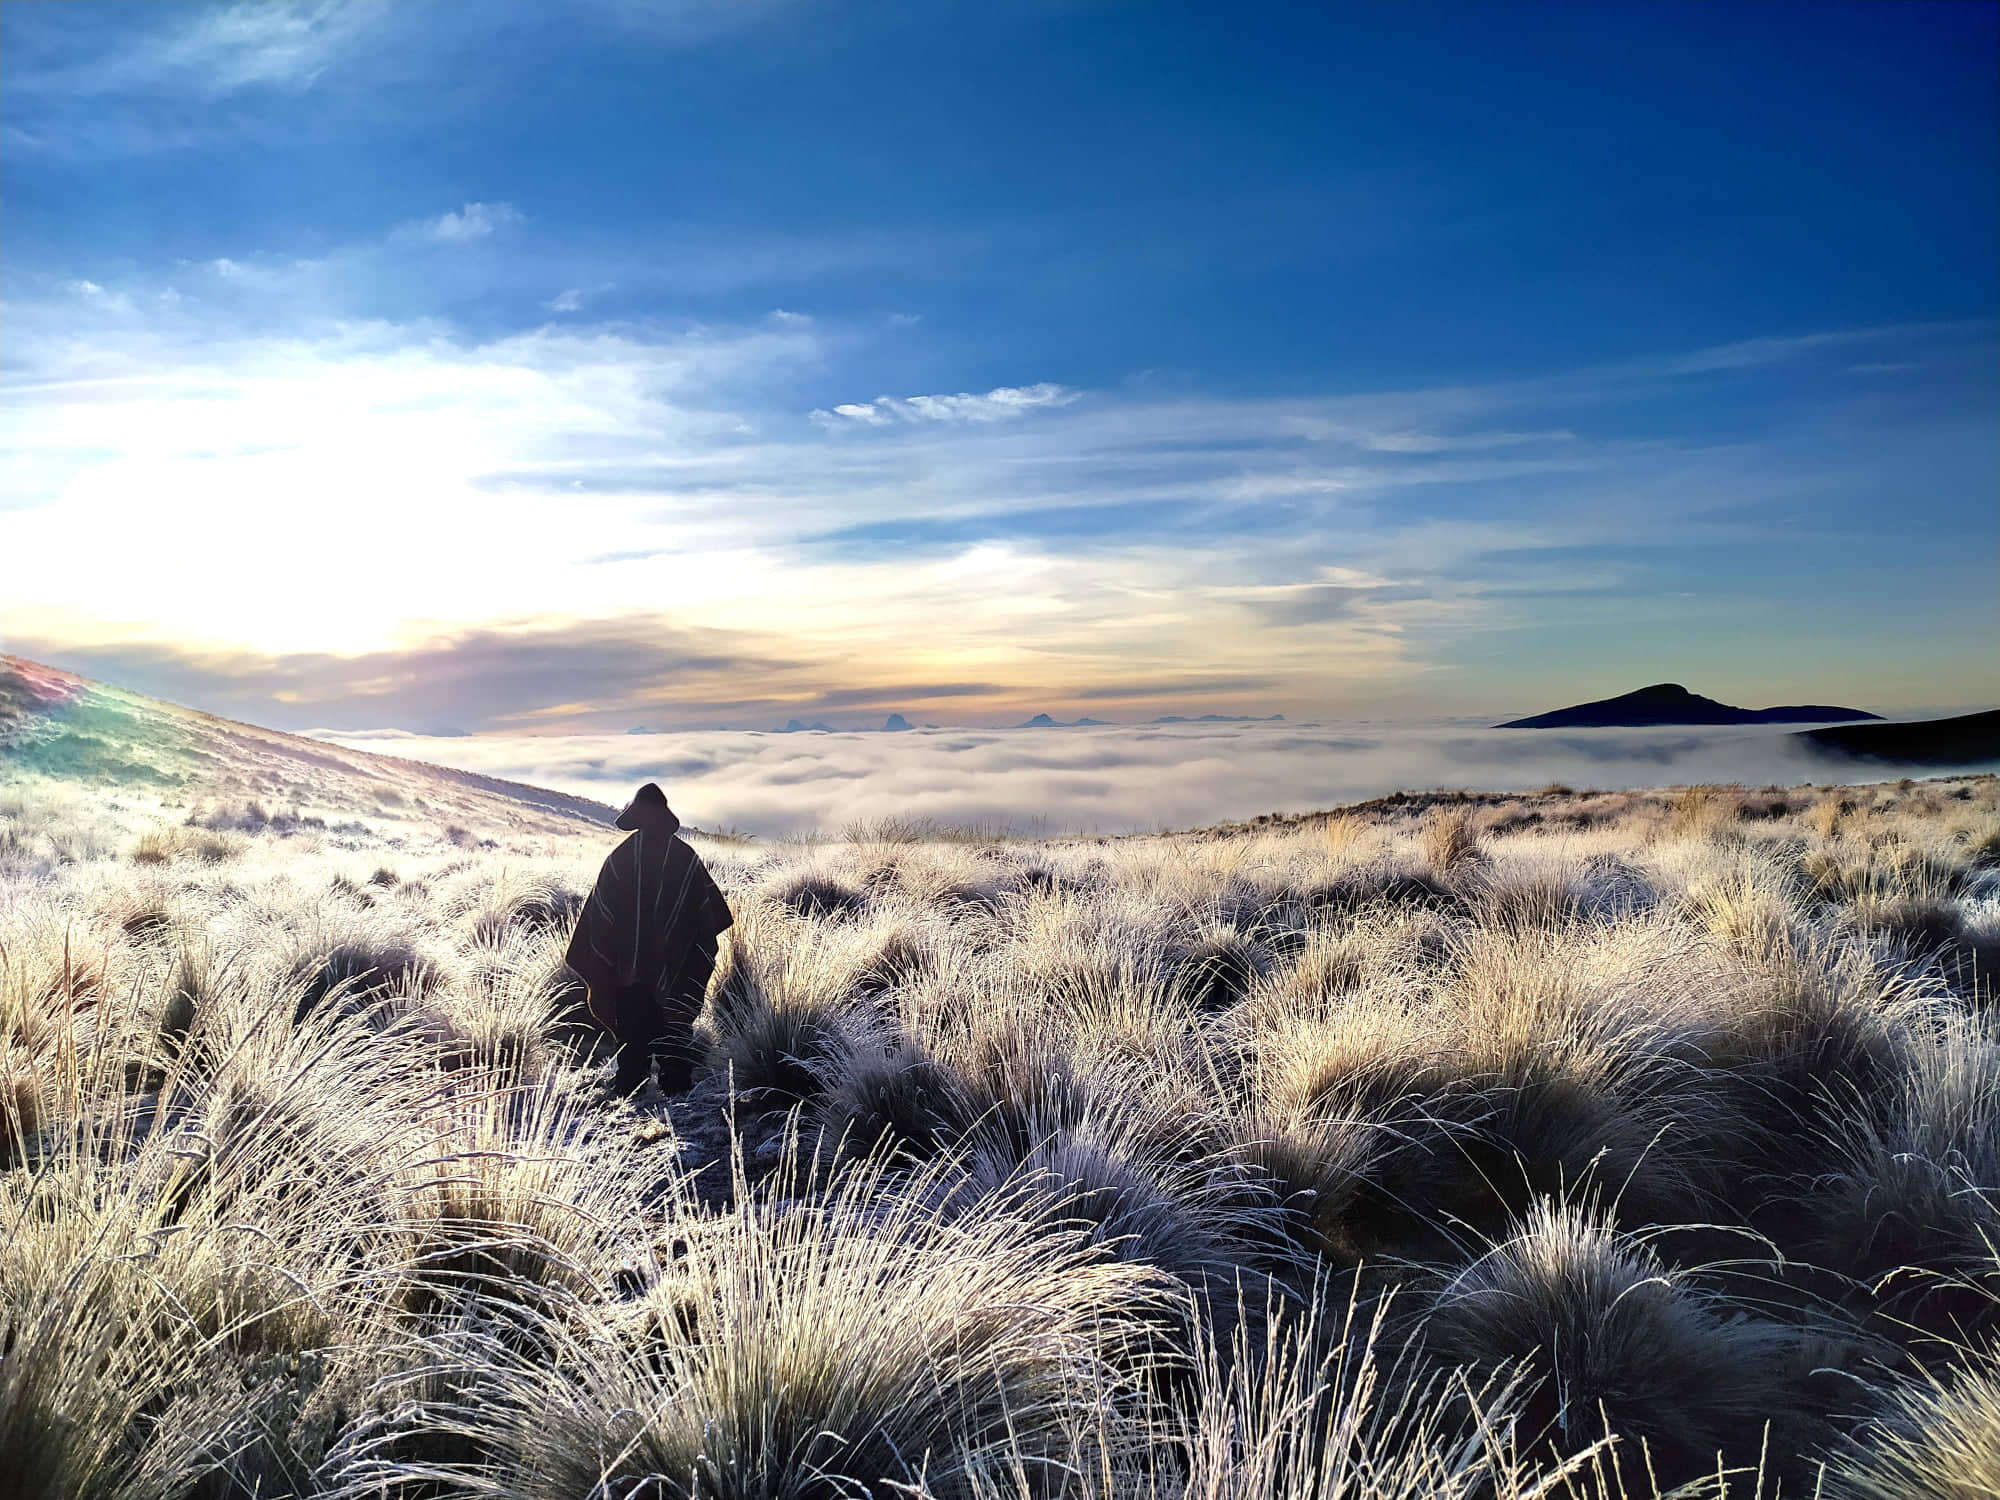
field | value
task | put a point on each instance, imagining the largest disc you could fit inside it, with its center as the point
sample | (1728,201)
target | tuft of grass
(513,1201)
(1937,1436)
(1220,967)
(1617,1344)
(213,847)
(156,846)
(1826,815)
(1328,1402)
(1342,834)
(1450,839)
(360,966)
(1325,968)
(1123,1172)
(194,985)
(1701,813)
(810,894)
(846,1336)
(782,1031)
(896,1102)
(530,904)
(1514,896)
(1903,1200)
(900,957)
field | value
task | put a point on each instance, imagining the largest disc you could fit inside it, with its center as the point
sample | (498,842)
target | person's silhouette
(645,945)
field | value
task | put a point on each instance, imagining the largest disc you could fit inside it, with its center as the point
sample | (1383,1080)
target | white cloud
(173,454)
(572,299)
(864,413)
(1125,779)
(99,297)
(473,222)
(998,405)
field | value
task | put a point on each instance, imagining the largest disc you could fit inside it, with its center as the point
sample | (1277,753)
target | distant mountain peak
(1669,703)
(1048,721)
(894,723)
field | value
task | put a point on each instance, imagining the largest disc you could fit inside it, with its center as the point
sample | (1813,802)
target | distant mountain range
(1045,721)
(894,724)
(1668,703)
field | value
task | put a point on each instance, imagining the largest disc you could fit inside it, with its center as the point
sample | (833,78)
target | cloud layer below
(1114,780)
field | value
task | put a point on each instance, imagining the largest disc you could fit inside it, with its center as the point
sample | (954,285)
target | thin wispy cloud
(512,674)
(68,61)
(207,50)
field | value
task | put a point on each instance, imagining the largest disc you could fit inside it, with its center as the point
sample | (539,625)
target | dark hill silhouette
(1962,741)
(1670,703)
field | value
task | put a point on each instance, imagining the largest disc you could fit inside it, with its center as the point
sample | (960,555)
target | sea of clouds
(1117,779)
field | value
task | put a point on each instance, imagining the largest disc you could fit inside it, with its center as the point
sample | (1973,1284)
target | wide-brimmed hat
(647,796)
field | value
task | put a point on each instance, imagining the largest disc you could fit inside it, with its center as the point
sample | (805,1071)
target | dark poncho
(654,899)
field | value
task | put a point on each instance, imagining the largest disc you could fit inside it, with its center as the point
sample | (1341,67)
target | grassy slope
(1422,1149)
(64,736)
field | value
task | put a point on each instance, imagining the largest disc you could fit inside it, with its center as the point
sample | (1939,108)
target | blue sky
(447,366)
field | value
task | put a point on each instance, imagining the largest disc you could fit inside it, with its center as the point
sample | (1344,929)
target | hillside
(1668,703)
(1968,739)
(144,757)
(1428,1149)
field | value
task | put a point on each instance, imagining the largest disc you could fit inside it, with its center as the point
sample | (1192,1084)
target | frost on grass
(1563,1144)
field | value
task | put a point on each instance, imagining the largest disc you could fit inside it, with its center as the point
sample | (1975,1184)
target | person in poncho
(645,945)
